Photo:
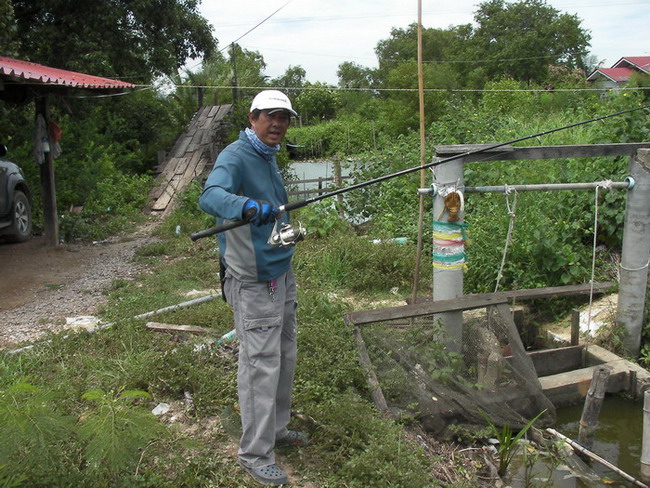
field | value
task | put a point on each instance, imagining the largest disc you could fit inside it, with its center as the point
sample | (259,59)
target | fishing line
(302,203)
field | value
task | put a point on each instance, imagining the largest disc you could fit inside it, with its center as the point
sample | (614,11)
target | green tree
(134,39)
(358,82)
(203,86)
(353,75)
(291,81)
(8,43)
(401,47)
(522,40)
(247,70)
(403,106)
(317,102)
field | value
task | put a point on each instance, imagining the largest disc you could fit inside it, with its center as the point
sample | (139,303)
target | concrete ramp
(194,151)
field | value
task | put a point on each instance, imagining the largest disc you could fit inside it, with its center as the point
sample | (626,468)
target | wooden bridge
(191,156)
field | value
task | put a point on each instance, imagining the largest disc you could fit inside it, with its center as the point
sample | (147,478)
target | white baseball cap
(272,100)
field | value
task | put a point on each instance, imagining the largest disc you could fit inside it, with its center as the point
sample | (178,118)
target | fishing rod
(302,203)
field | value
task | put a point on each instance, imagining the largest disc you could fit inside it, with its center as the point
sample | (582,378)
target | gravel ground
(44,291)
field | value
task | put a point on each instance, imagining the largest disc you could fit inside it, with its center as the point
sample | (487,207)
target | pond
(618,439)
(311,170)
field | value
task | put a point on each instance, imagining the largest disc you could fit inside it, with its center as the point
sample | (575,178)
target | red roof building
(25,71)
(22,81)
(620,72)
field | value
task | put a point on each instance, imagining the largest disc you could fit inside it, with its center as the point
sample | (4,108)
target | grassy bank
(77,408)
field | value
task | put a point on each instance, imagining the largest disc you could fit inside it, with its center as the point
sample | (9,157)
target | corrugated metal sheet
(31,72)
(615,74)
(640,62)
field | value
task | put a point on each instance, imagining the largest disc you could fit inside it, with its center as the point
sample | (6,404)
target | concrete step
(571,387)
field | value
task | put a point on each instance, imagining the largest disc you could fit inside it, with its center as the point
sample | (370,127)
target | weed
(37,429)
(508,441)
(116,429)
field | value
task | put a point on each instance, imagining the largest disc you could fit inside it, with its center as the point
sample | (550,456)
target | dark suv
(15,201)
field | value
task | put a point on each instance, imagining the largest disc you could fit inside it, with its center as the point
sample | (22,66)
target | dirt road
(41,287)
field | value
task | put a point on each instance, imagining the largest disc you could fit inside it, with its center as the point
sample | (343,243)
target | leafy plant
(116,430)
(33,428)
(508,441)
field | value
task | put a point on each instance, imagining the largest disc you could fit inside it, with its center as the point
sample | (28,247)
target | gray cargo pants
(265,319)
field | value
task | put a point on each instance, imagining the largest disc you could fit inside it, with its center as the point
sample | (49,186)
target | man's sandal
(269,475)
(294,438)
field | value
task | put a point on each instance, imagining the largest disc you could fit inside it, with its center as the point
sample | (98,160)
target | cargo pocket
(261,320)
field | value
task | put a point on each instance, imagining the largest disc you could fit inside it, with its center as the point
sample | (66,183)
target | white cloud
(320,34)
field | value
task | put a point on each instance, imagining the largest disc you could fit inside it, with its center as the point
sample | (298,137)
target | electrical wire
(256,26)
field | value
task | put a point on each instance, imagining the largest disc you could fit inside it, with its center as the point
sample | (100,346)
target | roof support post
(448,282)
(635,254)
(48,190)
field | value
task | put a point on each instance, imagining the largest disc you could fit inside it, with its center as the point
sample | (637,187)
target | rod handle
(217,229)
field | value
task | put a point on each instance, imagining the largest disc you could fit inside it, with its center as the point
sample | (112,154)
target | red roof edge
(28,71)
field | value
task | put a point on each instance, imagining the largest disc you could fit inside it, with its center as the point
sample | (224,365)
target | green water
(617,440)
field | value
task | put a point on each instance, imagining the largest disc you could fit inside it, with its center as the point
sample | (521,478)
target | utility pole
(635,254)
(235,83)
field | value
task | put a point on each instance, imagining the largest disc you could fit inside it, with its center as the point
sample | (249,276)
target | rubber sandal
(294,438)
(269,475)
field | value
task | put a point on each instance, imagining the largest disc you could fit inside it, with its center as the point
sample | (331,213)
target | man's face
(270,128)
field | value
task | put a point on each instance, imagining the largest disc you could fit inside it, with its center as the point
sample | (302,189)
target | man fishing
(258,282)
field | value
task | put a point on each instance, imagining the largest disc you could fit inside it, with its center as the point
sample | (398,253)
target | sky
(318,35)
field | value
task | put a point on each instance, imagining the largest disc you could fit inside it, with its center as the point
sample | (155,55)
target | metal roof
(25,72)
(615,74)
(640,62)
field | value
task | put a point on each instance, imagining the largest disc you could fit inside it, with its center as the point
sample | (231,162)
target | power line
(256,26)
(432,90)
(430,12)
(395,60)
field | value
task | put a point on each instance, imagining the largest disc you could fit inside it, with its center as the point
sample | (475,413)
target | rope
(511,226)
(606,185)
(637,269)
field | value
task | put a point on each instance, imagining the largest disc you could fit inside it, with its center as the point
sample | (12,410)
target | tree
(353,75)
(8,44)
(403,106)
(133,39)
(402,47)
(291,81)
(358,82)
(247,69)
(317,102)
(521,40)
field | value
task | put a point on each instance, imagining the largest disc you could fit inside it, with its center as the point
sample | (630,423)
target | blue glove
(259,212)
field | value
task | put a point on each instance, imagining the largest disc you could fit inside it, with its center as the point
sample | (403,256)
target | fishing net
(490,377)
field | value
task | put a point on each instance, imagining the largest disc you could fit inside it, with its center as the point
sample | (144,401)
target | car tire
(21,225)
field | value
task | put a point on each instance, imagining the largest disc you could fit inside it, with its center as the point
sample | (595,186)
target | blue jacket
(240,173)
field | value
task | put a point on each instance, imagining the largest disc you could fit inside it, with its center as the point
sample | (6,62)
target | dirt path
(42,287)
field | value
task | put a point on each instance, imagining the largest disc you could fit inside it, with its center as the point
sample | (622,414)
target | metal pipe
(195,301)
(611,185)
(549,187)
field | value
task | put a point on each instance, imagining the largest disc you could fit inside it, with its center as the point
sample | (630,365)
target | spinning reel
(285,235)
